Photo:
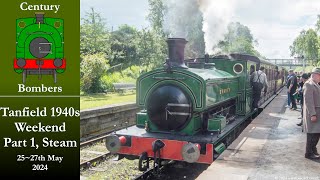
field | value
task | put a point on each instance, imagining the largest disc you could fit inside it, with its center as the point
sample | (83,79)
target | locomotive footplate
(208,137)
(139,141)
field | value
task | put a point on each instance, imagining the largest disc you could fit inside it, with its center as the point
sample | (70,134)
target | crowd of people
(304,90)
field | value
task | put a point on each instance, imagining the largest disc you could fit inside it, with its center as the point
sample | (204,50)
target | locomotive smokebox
(176,51)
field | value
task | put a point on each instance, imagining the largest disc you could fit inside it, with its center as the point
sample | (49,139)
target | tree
(150,49)
(238,39)
(318,24)
(195,36)
(152,46)
(123,47)
(93,34)
(318,30)
(306,44)
(311,45)
(156,14)
(173,15)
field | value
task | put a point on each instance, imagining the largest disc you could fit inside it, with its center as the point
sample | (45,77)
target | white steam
(217,14)
(179,14)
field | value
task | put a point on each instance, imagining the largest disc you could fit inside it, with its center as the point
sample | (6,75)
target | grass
(97,100)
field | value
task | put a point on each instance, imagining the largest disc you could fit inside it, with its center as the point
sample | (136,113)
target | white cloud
(276,23)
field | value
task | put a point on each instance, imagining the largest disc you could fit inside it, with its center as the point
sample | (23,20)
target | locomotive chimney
(176,51)
(39,18)
(206,58)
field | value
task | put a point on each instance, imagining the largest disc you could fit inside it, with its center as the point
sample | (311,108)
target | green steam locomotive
(191,110)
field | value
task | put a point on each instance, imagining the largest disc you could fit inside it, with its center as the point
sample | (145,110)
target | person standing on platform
(259,81)
(287,84)
(304,78)
(292,87)
(311,114)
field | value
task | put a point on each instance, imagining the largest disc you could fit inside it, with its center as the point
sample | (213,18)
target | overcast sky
(274,23)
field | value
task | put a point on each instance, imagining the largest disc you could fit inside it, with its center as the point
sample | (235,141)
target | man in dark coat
(259,81)
(288,84)
(304,78)
(311,113)
(292,87)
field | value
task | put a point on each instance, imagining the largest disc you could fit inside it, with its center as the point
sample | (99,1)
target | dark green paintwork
(220,148)
(206,86)
(202,85)
(217,123)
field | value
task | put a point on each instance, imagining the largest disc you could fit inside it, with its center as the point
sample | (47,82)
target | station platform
(271,147)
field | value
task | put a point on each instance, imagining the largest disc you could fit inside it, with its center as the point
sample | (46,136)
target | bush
(115,77)
(93,66)
(306,70)
(129,75)
(134,71)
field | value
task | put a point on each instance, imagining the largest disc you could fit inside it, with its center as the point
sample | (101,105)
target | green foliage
(238,40)
(318,24)
(195,36)
(126,48)
(123,47)
(131,51)
(178,26)
(132,47)
(236,30)
(133,71)
(151,49)
(94,37)
(306,70)
(129,75)
(115,77)
(92,67)
(307,44)
(156,14)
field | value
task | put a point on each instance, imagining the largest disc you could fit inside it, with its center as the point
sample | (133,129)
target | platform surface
(271,147)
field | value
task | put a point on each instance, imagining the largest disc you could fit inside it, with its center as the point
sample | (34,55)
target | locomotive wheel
(143,161)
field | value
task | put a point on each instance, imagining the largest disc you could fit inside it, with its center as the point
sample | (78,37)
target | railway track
(93,141)
(173,170)
(145,175)
(93,152)
(95,160)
